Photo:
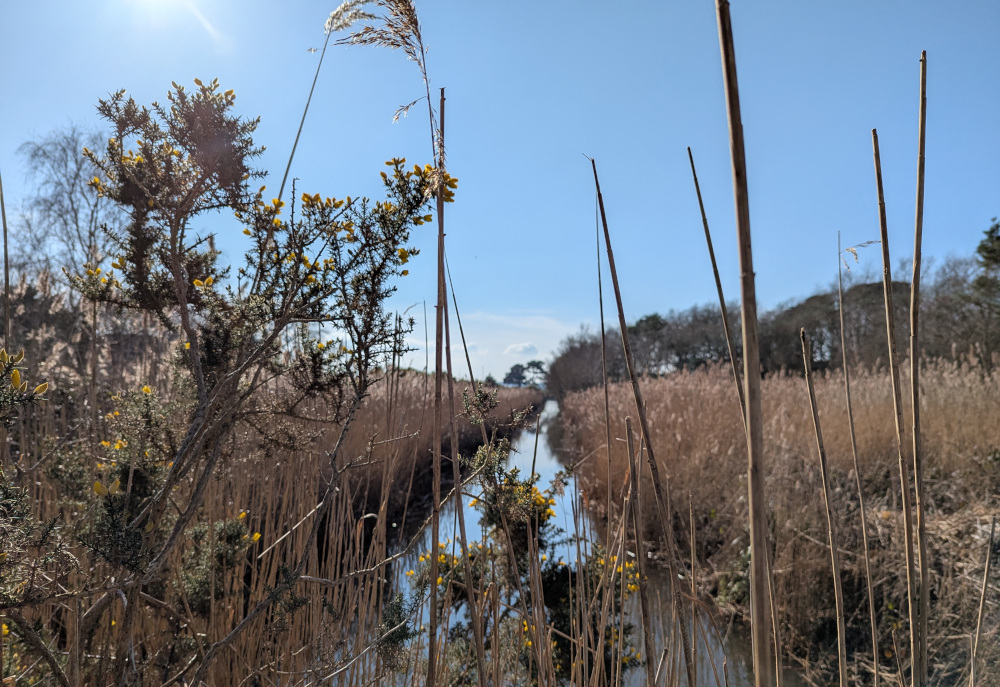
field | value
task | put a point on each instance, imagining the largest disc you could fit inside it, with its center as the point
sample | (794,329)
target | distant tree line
(959,319)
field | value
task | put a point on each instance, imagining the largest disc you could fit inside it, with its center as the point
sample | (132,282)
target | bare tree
(62,222)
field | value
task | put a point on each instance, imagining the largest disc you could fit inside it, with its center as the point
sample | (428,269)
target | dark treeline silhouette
(959,315)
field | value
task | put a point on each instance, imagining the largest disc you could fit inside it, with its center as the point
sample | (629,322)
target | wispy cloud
(498,340)
(526,348)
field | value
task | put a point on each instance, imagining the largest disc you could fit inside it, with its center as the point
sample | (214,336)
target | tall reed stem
(438,373)
(751,360)
(654,470)
(838,592)
(982,602)
(475,613)
(640,556)
(731,345)
(604,372)
(726,328)
(904,479)
(857,466)
(920,677)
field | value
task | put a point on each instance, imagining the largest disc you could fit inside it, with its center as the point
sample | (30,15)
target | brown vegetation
(699,441)
(261,487)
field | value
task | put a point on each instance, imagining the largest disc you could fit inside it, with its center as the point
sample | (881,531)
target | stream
(718,641)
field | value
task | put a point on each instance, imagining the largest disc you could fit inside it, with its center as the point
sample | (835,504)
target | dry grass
(381,505)
(697,436)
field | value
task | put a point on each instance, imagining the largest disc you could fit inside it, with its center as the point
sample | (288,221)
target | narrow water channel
(717,643)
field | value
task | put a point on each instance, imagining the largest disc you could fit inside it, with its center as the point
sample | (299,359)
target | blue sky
(531,86)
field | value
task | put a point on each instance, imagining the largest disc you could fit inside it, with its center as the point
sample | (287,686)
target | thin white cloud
(497,341)
(526,348)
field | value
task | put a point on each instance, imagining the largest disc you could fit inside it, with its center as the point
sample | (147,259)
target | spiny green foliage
(313,261)
(395,630)
(25,541)
(205,560)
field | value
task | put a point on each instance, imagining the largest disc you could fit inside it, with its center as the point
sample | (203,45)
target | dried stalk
(982,602)
(604,369)
(474,606)
(838,592)
(727,329)
(920,658)
(751,360)
(640,555)
(730,344)
(904,480)
(857,467)
(694,583)
(438,372)
(661,501)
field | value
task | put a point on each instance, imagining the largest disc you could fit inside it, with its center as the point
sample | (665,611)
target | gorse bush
(317,261)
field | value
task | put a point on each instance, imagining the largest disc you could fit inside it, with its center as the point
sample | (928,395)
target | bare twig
(38,644)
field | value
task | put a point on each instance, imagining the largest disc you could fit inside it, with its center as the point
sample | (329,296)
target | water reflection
(720,648)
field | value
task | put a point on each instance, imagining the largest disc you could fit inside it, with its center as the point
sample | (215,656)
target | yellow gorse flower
(15,379)
(146,390)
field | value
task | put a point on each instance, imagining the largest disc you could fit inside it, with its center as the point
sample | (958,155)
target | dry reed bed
(278,489)
(699,441)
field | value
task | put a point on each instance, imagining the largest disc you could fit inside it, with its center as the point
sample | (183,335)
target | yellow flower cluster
(97,185)
(93,272)
(112,490)
(543,504)
(17,384)
(628,571)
